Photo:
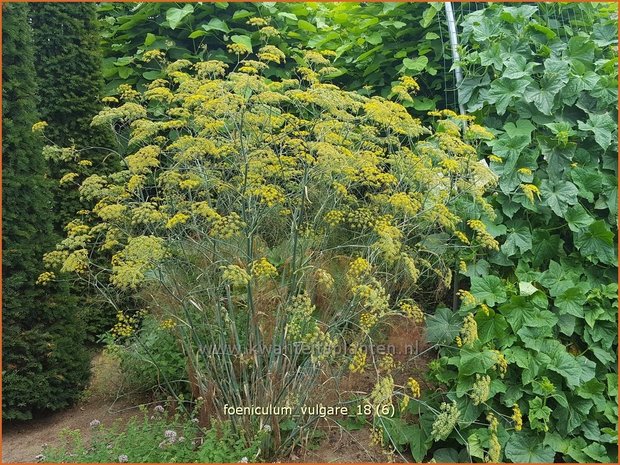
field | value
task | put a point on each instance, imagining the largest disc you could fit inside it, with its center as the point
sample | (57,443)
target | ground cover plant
(284,192)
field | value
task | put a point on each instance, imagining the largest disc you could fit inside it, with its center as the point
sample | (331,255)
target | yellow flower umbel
(387,363)
(467,298)
(261,268)
(324,279)
(483,237)
(358,268)
(481,389)
(495,448)
(415,388)
(469,330)
(383,391)
(413,311)
(39,126)
(502,364)
(517,417)
(235,275)
(445,422)
(358,361)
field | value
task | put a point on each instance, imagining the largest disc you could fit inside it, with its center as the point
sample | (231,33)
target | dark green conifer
(44,363)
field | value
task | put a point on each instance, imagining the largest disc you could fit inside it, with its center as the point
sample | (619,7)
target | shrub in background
(44,364)
(68,67)
(374,43)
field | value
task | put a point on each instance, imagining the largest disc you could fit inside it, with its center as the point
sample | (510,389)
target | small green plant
(149,354)
(156,438)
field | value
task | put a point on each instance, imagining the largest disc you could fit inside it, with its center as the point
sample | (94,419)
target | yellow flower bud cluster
(324,278)
(235,275)
(39,126)
(475,131)
(481,389)
(45,278)
(482,236)
(167,324)
(177,219)
(367,321)
(153,55)
(146,213)
(411,268)
(358,268)
(68,178)
(268,31)
(303,327)
(271,53)
(405,88)
(495,449)
(372,297)
(261,268)
(227,227)
(502,364)
(387,363)
(268,194)
(467,298)
(141,254)
(238,49)
(413,311)
(259,22)
(405,203)
(462,237)
(383,391)
(358,361)
(376,437)
(517,417)
(361,218)
(445,422)
(125,325)
(469,330)
(415,387)
(76,262)
(112,212)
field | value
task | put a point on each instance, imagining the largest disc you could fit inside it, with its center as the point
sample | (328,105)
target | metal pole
(455,53)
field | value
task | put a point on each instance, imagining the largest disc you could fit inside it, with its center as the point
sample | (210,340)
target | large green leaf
(558,195)
(571,301)
(602,126)
(578,218)
(525,447)
(597,243)
(542,93)
(473,361)
(488,289)
(518,239)
(504,90)
(443,326)
(216,24)
(174,16)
